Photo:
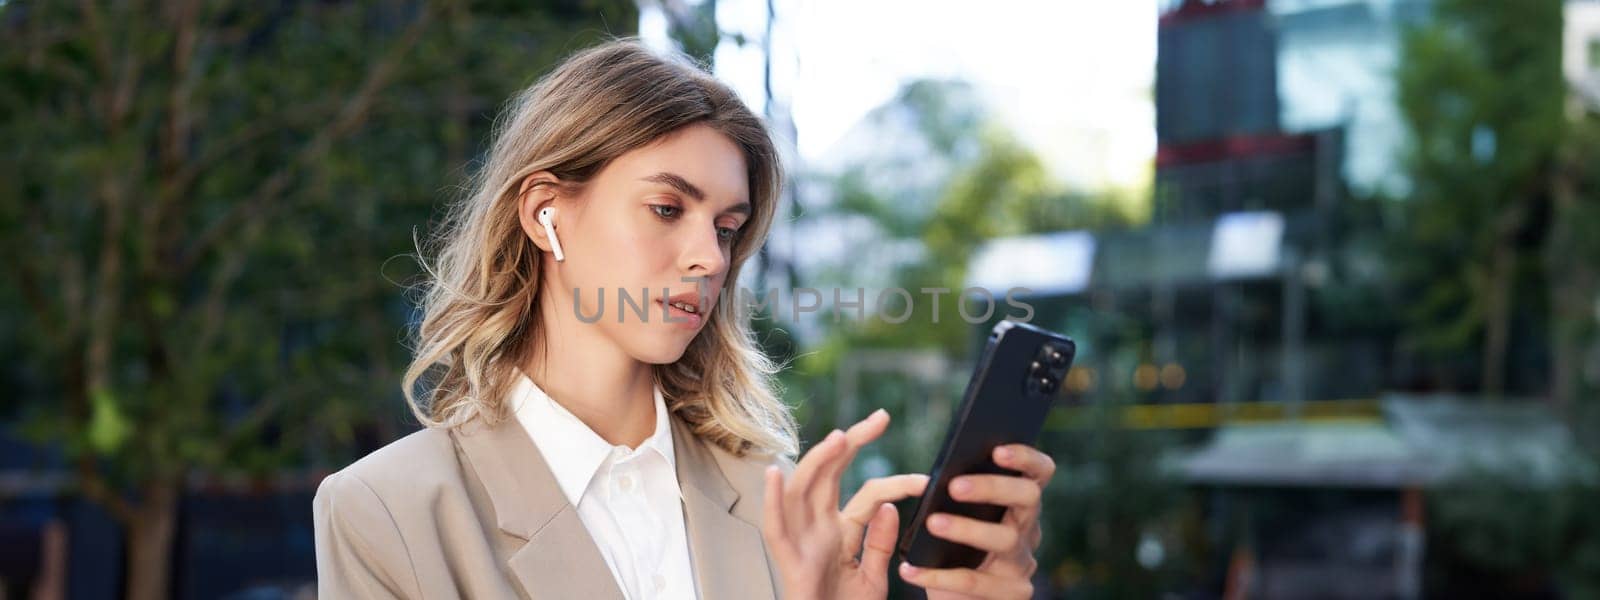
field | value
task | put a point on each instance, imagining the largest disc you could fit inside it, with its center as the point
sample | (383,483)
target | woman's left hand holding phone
(815,542)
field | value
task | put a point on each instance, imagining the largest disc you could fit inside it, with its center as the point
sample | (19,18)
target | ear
(537,190)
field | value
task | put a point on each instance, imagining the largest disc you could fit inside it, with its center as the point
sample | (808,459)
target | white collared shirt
(628,498)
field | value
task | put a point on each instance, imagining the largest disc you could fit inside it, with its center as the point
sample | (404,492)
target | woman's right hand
(814,542)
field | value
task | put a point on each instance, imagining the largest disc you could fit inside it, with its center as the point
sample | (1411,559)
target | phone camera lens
(1056,358)
(1047,385)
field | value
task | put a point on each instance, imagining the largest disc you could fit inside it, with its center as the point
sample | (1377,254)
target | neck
(586,373)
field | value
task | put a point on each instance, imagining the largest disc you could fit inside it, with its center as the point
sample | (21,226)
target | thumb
(882,532)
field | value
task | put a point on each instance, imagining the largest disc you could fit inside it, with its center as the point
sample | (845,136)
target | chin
(660,352)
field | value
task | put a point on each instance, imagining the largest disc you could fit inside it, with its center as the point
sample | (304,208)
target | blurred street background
(1333,268)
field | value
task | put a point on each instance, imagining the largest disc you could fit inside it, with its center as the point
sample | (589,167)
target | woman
(580,448)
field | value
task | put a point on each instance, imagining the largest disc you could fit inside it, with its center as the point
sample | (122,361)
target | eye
(727,234)
(666,211)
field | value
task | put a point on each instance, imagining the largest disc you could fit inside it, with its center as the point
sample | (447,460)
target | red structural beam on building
(1239,146)
(1191,10)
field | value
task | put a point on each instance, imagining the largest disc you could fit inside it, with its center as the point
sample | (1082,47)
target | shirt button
(626,483)
(661,582)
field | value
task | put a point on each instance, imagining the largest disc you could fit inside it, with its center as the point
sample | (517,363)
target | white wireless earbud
(547,217)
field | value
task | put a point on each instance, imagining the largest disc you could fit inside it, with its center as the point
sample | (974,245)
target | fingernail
(908,571)
(1003,453)
(879,412)
(938,522)
(834,434)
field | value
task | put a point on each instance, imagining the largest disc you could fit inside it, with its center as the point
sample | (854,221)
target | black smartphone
(1013,386)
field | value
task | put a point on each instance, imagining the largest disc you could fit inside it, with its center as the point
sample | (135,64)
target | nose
(704,255)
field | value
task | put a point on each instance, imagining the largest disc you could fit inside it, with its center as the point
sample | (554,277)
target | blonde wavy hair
(478,301)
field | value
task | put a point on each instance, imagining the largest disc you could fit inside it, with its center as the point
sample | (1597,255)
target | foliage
(1493,530)
(1480,89)
(200,204)
(948,181)
(1110,502)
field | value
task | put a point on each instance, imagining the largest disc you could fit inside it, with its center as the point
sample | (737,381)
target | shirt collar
(572,449)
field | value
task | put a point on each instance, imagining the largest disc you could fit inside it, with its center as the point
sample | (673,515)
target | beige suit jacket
(475,512)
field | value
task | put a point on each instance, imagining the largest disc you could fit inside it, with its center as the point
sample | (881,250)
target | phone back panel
(1003,404)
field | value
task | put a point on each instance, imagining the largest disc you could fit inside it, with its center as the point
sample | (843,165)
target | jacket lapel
(724,533)
(559,558)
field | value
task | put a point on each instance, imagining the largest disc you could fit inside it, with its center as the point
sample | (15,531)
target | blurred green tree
(1506,167)
(945,179)
(1572,261)
(1495,533)
(987,185)
(198,203)
(693,26)
(1480,89)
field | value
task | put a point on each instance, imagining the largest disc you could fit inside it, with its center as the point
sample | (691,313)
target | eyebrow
(677,182)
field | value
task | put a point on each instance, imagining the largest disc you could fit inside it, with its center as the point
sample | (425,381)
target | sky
(1072,78)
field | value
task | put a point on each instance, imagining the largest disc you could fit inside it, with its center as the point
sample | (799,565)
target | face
(650,222)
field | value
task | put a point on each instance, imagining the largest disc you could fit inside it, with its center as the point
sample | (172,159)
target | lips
(689,302)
